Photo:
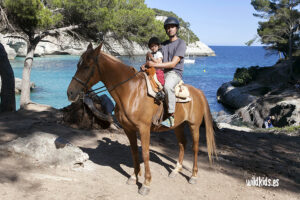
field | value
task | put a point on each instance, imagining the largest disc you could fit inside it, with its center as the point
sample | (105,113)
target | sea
(52,74)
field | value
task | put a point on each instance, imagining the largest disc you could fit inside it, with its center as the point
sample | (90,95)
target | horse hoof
(193,180)
(131,181)
(173,174)
(144,190)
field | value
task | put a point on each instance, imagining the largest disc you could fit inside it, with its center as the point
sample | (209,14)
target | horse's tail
(210,137)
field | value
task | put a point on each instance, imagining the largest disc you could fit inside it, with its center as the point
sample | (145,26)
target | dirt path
(242,155)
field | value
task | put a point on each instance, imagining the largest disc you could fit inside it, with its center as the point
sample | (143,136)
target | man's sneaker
(169,122)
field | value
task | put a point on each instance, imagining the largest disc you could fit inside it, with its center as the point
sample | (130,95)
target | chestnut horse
(134,109)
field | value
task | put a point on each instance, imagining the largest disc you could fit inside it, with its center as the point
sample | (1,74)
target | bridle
(90,76)
(85,84)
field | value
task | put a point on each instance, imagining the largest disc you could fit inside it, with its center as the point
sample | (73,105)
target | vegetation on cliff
(131,20)
(243,75)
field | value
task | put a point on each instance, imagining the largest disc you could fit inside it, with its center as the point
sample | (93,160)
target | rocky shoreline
(66,44)
(271,93)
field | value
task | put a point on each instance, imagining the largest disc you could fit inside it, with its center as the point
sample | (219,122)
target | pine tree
(35,20)
(280,27)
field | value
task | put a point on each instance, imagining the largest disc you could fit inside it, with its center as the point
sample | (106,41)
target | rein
(113,87)
(107,89)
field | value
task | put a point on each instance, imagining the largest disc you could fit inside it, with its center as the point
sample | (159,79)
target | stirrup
(169,122)
(160,96)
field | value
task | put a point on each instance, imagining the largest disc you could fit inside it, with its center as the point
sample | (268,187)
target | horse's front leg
(135,156)
(195,134)
(145,140)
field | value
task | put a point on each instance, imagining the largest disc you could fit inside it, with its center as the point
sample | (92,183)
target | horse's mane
(113,58)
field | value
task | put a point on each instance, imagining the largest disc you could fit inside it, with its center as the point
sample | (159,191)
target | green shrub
(243,76)
(288,129)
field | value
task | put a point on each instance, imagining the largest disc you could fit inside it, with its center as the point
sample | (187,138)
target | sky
(215,22)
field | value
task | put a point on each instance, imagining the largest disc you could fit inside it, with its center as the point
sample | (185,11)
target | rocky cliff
(271,93)
(65,44)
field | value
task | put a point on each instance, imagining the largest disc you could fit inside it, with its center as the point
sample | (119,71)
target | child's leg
(160,76)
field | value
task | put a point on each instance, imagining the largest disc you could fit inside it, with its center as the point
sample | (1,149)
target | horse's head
(87,73)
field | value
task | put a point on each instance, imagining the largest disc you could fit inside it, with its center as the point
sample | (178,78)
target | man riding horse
(128,88)
(173,51)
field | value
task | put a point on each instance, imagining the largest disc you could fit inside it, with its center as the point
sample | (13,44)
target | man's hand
(143,67)
(150,63)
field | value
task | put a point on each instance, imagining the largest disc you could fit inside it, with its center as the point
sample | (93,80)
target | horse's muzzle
(73,96)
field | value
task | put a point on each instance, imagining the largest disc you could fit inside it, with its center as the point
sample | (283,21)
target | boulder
(222,117)
(235,97)
(18,85)
(285,108)
(47,150)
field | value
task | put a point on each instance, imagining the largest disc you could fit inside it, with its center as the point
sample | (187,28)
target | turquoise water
(52,74)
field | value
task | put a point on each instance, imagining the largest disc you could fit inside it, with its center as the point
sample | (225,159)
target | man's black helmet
(153,40)
(171,20)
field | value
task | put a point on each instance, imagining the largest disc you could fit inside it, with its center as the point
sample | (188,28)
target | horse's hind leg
(179,132)
(195,135)
(135,156)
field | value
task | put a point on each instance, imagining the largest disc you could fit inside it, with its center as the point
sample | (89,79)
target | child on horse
(156,56)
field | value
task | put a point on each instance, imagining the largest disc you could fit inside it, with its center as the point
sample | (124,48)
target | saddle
(154,82)
(154,89)
(154,86)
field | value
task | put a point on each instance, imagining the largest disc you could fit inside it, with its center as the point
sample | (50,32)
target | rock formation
(271,93)
(47,150)
(66,44)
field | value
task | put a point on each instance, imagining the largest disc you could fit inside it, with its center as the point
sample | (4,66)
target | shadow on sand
(241,154)
(114,154)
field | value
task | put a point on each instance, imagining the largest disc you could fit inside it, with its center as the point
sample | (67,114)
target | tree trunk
(8,99)
(290,45)
(25,93)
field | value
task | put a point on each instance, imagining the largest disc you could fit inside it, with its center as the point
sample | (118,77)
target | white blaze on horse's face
(81,81)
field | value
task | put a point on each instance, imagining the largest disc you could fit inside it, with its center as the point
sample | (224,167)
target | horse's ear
(98,49)
(90,46)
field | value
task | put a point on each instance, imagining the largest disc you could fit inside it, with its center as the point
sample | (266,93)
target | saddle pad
(152,93)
